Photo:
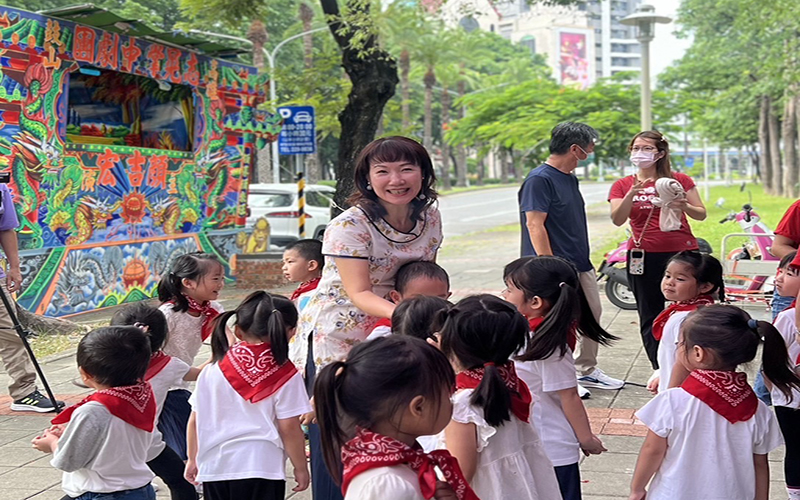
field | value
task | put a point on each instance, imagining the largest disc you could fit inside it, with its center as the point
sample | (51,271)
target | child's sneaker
(35,401)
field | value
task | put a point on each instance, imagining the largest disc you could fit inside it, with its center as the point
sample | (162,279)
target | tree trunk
(461,161)
(765,170)
(445,146)
(775,151)
(306,16)
(257,34)
(43,325)
(427,131)
(789,146)
(405,89)
(481,169)
(503,167)
(516,164)
(373,74)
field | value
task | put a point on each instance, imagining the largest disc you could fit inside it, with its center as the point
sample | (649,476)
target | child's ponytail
(493,396)
(219,337)
(484,331)
(332,435)
(777,366)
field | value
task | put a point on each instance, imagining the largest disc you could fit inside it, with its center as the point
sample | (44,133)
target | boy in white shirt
(302,263)
(101,443)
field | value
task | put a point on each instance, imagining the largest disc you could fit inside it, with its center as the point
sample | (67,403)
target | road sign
(299,133)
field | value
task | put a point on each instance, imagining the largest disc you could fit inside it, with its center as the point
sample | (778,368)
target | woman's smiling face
(395,182)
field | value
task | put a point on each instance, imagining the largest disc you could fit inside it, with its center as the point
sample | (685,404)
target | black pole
(23,334)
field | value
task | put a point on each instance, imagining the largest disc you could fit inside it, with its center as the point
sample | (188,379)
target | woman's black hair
(786,260)
(379,377)
(483,329)
(706,269)
(190,266)
(419,316)
(116,356)
(555,281)
(261,315)
(392,149)
(733,337)
(147,316)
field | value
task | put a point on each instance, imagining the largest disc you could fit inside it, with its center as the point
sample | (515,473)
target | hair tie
(753,324)
(562,284)
(274,311)
(488,364)
(142,327)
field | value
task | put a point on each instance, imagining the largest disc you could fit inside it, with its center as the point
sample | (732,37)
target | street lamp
(273,86)
(645,18)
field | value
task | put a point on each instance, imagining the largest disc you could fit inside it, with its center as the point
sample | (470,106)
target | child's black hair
(419,316)
(786,260)
(483,329)
(419,269)
(706,269)
(555,281)
(190,266)
(378,378)
(261,315)
(308,249)
(115,356)
(733,337)
(149,317)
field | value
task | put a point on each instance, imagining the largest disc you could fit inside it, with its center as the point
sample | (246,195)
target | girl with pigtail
(253,381)
(709,438)
(490,432)
(546,291)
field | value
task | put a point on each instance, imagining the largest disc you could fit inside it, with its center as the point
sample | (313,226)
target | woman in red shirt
(631,199)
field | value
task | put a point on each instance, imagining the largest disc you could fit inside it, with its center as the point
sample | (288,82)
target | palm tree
(403,23)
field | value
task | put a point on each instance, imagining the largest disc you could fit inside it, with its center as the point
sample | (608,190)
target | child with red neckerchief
(101,443)
(546,290)
(709,438)
(490,432)
(418,278)
(372,408)
(163,372)
(302,263)
(787,409)
(690,281)
(188,295)
(254,383)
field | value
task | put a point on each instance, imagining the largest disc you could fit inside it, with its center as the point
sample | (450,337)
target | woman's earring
(369,187)
(421,196)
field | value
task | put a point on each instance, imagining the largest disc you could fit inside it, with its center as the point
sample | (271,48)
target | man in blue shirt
(18,365)
(553,222)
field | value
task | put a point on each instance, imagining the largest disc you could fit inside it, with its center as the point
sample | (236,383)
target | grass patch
(47,345)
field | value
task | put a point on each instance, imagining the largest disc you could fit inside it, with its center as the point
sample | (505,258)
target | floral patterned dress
(330,316)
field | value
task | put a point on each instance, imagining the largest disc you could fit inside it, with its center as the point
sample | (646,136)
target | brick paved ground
(475,265)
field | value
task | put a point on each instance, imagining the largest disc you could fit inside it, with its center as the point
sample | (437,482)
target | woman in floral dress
(393,220)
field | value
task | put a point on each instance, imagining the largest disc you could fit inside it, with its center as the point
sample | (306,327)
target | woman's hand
(638,185)
(308,418)
(190,473)
(444,491)
(593,446)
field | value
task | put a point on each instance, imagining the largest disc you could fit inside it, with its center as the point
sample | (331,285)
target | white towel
(668,191)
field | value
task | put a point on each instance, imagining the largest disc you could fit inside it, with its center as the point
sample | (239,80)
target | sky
(666,48)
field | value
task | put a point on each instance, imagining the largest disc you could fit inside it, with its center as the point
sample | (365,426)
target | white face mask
(643,159)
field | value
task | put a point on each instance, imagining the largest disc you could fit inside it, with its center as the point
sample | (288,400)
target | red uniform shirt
(654,240)
(789,226)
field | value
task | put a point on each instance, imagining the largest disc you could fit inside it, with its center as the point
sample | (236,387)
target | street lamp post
(645,19)
(273,87)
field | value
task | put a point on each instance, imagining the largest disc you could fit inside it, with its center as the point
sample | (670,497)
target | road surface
(484,209)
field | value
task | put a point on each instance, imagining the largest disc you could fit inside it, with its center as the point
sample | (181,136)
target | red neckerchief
(304,287)
(520,394)
(204,309)
(727,393)
(135,404)
(252,371)
(383,322)
(368,450)
(157,363)
(572,337)
(683,305)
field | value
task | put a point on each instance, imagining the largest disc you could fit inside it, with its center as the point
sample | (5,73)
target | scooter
(613,270)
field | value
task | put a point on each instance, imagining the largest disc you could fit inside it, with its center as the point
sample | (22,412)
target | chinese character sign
(299,134)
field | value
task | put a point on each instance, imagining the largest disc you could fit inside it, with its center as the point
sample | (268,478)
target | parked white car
(278,203)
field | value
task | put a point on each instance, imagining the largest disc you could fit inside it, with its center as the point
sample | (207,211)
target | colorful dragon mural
(101,216)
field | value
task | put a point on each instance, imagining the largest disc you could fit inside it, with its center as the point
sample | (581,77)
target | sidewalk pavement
(475,264)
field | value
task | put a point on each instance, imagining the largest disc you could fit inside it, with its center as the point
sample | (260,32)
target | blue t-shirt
(549,190)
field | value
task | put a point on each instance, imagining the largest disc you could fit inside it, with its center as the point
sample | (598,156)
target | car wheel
(319,233)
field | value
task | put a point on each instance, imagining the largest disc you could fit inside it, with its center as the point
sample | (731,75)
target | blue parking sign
(299,132)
